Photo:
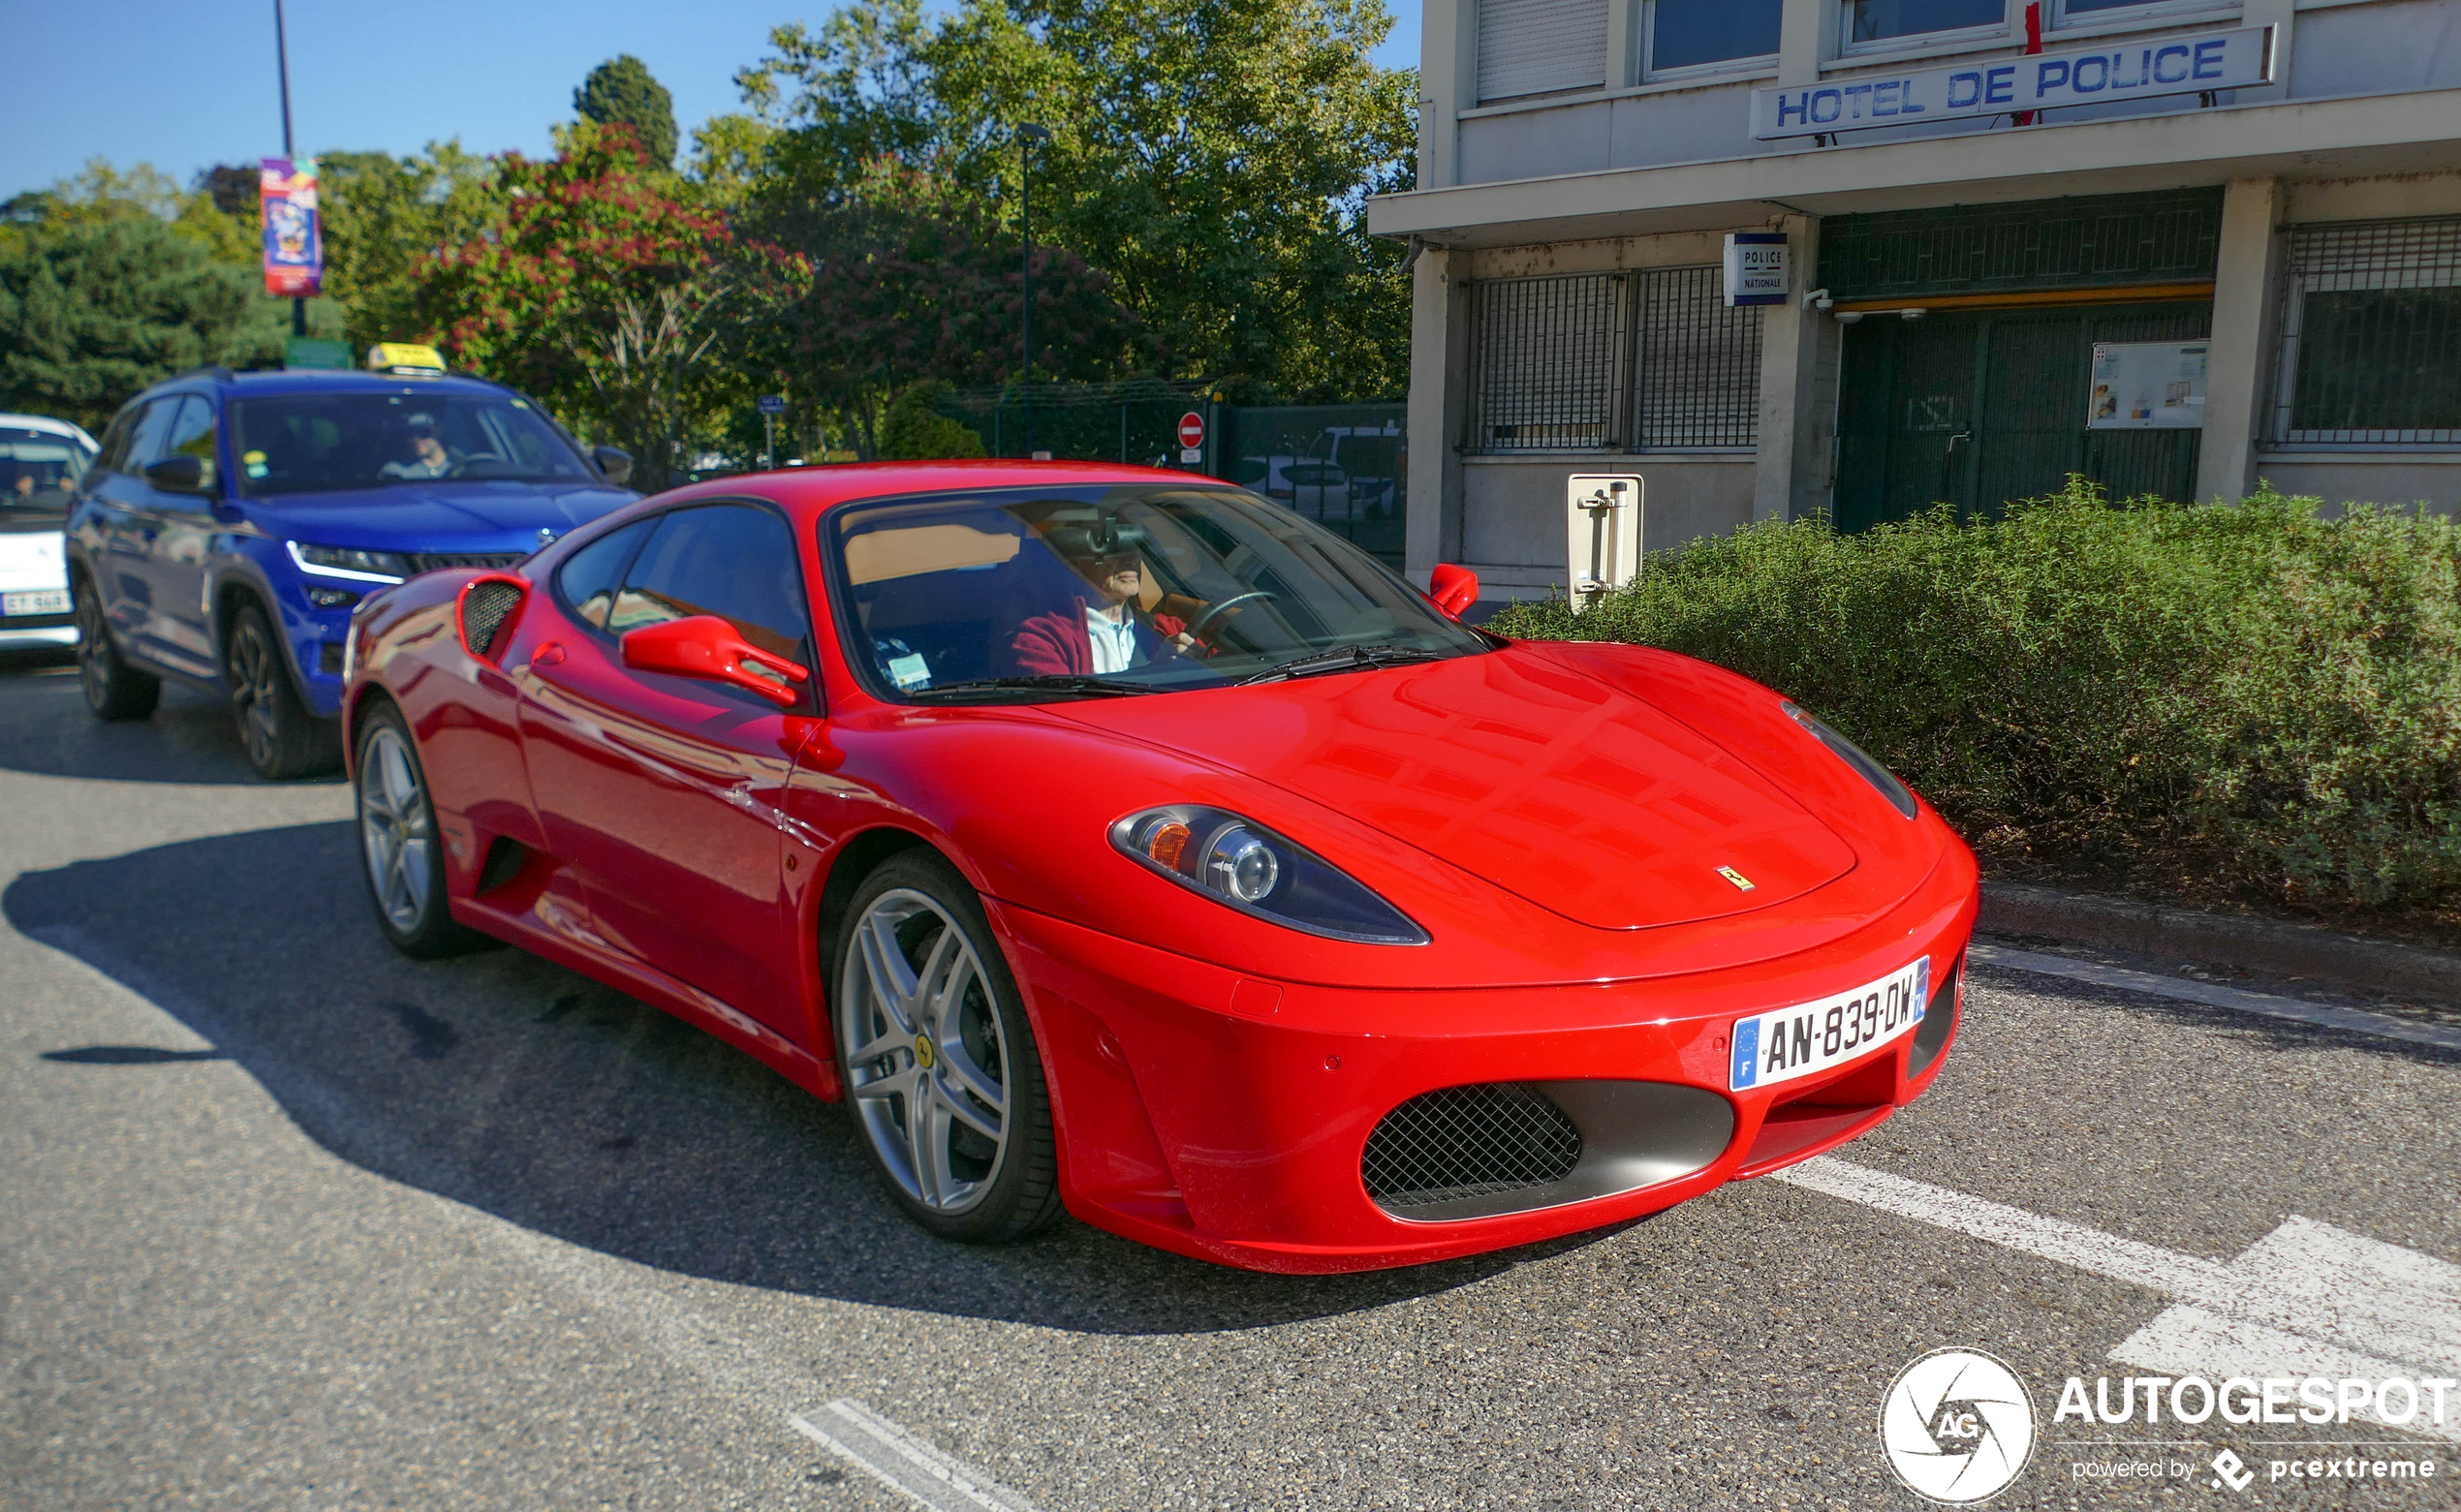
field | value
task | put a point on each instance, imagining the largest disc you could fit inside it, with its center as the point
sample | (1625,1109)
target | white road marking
(2382,1025)
(905,1463)
(2306,1299)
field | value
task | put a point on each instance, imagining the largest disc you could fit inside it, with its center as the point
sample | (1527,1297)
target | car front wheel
(401,849)
(282,738)
(938,1061)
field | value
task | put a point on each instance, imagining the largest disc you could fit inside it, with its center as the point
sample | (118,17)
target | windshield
(38,468)
(1018,595)
(316,443)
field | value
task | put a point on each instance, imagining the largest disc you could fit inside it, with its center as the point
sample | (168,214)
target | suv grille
(1468,1142)
(438,561)
(484,608)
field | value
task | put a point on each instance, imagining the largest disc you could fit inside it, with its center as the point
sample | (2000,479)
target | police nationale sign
(2086,75)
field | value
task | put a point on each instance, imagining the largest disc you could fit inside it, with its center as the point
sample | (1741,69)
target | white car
(41,460)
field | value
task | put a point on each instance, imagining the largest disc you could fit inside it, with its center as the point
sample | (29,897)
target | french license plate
(1785,1043)
(39,601)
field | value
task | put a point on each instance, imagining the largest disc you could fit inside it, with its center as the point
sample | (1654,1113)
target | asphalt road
(287,1222)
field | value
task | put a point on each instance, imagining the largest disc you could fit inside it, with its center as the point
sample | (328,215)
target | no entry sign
(1192,430)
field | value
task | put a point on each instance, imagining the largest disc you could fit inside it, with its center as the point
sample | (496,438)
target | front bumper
(1225,1117)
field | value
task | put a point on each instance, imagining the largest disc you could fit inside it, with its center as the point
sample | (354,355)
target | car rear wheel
(114,688)
(937,1059)
(282,738)
(400,848)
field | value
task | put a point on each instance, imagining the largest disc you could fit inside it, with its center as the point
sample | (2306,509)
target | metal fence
(1647,360)
(1136,421)
(2371,335)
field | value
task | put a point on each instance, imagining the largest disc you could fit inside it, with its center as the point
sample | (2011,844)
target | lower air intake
(1465,1143)
(484,609)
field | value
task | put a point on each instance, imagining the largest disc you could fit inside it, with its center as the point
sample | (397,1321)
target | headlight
(1855,756)
(1245,866)
(361,566)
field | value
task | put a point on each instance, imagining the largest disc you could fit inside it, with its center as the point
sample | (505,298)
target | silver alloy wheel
(253,670)
(927,1057)
(396,833)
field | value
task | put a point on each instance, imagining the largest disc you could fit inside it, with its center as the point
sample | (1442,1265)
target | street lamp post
(282,63)
(1027,136)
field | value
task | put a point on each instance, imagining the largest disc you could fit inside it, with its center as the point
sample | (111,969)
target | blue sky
(183,85)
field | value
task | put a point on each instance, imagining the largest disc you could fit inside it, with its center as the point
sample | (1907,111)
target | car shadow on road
(529,1092)
(47,729)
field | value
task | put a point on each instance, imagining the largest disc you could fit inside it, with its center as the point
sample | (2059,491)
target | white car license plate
(41,601)
(1785,1043)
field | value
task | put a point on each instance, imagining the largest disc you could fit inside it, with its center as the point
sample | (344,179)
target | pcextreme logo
(1956,1427)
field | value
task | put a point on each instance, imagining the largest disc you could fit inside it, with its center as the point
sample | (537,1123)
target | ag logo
(1958,1425)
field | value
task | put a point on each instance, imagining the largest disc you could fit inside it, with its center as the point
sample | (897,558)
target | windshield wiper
(1097,687)
(1348,658)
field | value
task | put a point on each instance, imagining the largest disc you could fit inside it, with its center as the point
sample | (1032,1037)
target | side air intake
(485,612)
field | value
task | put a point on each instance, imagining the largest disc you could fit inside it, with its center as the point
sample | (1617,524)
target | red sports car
(1114,839)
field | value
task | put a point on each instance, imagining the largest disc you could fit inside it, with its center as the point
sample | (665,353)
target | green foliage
(382,214)
(621,92)
(93,309)
(1213,158)
(912,430)
(2251,701)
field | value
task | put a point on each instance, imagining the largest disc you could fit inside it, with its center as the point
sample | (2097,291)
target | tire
(114,688)
(401,846)
(283,740)
(959,1079)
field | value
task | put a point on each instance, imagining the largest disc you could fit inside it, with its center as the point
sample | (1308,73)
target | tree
(94,309)
(383,214)
(913,431)
(621,92)
(608,291)
(1212,156)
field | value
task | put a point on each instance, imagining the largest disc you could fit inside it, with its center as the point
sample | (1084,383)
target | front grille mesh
(483,610)
(438,561)
(1469,1142)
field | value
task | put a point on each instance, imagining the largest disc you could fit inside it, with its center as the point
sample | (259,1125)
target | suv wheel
(114,688)
(283,739)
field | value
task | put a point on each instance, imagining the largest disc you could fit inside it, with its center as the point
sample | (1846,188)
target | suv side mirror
(707,647)
(614,462)
(179,475)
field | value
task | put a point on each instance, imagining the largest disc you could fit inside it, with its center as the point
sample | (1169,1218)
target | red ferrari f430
(1116,839)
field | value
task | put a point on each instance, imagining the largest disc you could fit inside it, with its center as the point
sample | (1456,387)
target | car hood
(1584,799)
(436,516)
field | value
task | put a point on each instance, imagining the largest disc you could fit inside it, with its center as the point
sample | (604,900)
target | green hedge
(2251,701)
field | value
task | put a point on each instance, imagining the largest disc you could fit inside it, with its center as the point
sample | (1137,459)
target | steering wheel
(463,464)
(1196,625)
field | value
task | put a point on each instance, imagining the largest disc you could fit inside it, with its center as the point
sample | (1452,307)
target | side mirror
(707,647)
(177,475)
(1453,587)
(614,462)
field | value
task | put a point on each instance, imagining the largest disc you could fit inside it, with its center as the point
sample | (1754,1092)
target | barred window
(2371,335)
(1640,362)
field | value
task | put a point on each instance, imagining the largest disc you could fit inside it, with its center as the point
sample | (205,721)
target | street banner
(2081,76)
(293,238)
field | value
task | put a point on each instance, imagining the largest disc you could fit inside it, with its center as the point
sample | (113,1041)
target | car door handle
(550,655)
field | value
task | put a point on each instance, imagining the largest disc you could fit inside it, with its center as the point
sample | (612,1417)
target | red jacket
(1057,645)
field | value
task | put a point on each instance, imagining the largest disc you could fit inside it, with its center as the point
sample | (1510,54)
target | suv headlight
(1855,756)
(360,566)
(1243,864)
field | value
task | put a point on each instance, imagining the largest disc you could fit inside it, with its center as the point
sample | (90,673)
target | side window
(113,457)
(145,447)
(588,577)
(192,434)
(733,559)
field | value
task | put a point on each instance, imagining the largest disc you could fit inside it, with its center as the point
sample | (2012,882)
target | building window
(1540,47)
(1710,36)
(2370,336)
(1873,21)
(1642,361)
(2087,13)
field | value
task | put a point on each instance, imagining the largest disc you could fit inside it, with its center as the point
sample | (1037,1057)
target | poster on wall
(2147,385)
(294,240)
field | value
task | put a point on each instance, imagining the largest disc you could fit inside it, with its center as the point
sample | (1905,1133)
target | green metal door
(1975,408)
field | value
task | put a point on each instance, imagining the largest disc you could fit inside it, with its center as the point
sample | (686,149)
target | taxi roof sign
(404,356)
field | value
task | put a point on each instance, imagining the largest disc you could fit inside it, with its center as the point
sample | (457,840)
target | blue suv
(231,521)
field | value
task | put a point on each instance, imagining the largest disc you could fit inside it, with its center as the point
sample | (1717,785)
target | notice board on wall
(2147,385)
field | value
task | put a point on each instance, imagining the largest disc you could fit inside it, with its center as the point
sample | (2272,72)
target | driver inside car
(1105,631)
(428,456)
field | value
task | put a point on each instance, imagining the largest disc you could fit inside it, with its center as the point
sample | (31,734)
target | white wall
(1512,509)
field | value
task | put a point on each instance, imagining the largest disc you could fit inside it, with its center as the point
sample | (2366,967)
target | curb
(2223,941)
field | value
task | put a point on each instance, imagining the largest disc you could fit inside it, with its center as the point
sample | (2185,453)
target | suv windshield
(316,443)
(1014,595)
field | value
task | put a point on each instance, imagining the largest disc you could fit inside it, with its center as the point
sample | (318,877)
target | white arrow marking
(2307,1299)
(906,1463)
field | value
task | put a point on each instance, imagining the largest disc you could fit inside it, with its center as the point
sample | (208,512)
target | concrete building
(1581,163)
